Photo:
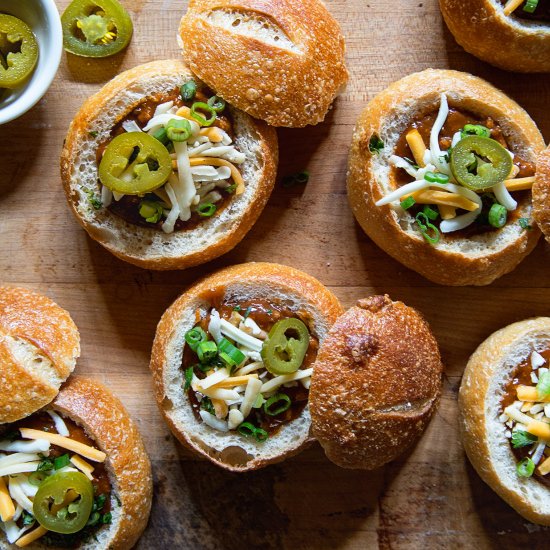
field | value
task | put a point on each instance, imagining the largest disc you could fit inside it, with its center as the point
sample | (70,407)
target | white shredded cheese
(537,360)
(253,389)
(35,446)
(183,185)
(213,422)
(131,126)
(503,196)
(235,419)
(436,153)
(278,381)
(241,337)
(214,326)
(60,425)
(215,378)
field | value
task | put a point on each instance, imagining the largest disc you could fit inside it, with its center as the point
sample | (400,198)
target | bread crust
(282,61)
(105,420)
(508,42)
(267,278)
(39,345)
(541,193)
(125,89)
(376,383)
(389,113)
(488,370)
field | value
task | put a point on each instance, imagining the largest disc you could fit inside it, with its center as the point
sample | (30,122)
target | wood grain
(429,499)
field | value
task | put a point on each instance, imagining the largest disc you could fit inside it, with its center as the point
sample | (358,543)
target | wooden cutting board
(431,498)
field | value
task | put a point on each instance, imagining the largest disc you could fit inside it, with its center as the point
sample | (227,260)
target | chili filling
(455,176)
(56,462)
(538,11)
(525,408)
(274,404)
(199,121)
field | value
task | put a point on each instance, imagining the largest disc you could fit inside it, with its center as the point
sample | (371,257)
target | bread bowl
(541,193)
(502,33)
(39,345)
(443,218)
(266,294)
(503,417)
(376,383)
(152,207)
(278,60)
(106,469)
(355,370)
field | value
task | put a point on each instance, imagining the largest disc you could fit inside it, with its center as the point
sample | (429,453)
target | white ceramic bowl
(43,18)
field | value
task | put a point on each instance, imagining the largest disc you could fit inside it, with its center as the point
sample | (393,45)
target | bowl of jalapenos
(31,43)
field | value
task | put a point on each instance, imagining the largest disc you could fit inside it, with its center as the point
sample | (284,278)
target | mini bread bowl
(346,389)
(502,33)
(64,443)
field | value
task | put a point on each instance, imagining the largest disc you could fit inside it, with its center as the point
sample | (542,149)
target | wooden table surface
(430,498)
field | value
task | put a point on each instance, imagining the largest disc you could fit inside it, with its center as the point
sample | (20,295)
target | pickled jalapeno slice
(285,347)
(96,28)
(63,502)
(479,162)
(135,163)
(18,51)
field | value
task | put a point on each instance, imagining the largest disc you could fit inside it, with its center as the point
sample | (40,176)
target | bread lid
(541,193)
(281,61)
(375,385)
(39,345)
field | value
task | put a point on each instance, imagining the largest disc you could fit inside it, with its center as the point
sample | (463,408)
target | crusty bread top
(277,284)
(489,370)
(507,41)
(477,259)
(376,382)
(39,345)
(541,193)
(93,406)
(281,61)
(149,247)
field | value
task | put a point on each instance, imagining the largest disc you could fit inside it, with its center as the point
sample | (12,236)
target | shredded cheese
(60,425)
(417,146)
(447,212)
(428,196)
(83,466)
(520,184)
(66,443)
(213,161)
(511,6)
(7,508)
(278,381)
(253,389)
(235,381)
(544,468)
(240,336)
(529,393)
(30,537)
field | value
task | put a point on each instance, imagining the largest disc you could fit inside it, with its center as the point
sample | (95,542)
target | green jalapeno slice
(285,347)
(18,49)
(96,28)
(479,162)
(135,163)
(49,506)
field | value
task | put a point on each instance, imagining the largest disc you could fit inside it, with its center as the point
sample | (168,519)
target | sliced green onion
(206,404)
(194,337)
(150,210)
(524,223)
(207,351)
(407,203)
(226,358)
(188,378)
(28,519)
(260,435)
(106,518)
(277,404)
(530,6)
(36,478)
(425,226)
(61,461)
(430,213)
(525,467)
(93,520)
(543,385)
(45,466)
(188,90)
(498,215)
(247,429)
(217,103)
(375,144)
(231,188)
(475,130)
(204,108)
(235,354)
(206,209)
(162,135)
(178,130)
(436,177)
(260,400)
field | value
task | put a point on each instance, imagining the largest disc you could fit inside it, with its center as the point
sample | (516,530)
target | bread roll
(469,257)
(267,287)
(151,247)
(281,61)
(39,345)
(487,385)
(509,41)
(376,383)
(541,193)
(92,407)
